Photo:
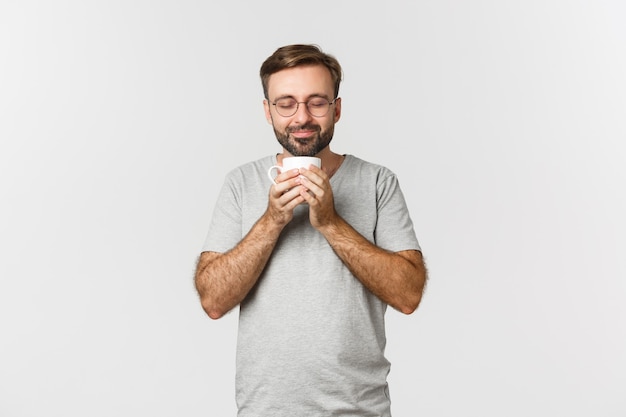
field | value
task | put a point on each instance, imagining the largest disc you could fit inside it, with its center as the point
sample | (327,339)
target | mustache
(309,126)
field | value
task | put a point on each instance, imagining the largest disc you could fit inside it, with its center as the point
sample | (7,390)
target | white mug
(293,163)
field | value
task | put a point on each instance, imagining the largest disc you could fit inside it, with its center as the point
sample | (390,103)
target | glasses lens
(318,106)
(286,106)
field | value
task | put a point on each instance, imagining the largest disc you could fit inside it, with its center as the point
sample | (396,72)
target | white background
(504,120)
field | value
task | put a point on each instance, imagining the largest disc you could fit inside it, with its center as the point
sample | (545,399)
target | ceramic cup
(293,163)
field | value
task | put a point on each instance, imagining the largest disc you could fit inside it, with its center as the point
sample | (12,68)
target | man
(314,261)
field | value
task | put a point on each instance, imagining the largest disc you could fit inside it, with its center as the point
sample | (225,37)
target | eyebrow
(308,98)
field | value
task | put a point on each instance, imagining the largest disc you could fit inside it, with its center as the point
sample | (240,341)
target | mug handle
(269,172)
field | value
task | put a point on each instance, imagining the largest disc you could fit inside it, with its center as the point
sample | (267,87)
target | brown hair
(291,56)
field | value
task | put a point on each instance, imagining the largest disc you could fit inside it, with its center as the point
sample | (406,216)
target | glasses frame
(306,105)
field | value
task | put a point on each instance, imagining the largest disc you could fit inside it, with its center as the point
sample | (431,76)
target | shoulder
(251,169)
(366,169)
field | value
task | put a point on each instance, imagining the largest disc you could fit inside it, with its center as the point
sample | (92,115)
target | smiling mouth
(303,134)
(304,131)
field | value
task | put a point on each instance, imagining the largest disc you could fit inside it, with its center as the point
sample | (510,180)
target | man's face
(302,134)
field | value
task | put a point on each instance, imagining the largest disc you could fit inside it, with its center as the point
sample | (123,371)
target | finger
(308,196)
(318,172)
(309,178)
(287,175)
(278,189)
(313,183)
(293,203)
(289,195)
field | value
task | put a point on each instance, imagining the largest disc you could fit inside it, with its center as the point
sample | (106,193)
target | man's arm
(397,278)
(224,279)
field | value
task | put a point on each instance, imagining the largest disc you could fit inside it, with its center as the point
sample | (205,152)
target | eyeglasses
(316,106)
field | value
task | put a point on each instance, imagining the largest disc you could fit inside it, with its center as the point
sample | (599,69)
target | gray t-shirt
(311,337)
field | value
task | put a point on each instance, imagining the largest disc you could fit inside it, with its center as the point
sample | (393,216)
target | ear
(268,115)
(337,109)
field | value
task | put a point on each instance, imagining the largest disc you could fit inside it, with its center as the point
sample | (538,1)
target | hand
(316,191)
(284,197)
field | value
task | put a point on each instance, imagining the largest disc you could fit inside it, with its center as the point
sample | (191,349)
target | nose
(302,114)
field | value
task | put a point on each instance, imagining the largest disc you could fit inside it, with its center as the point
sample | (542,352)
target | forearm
(224,280)
(396,278)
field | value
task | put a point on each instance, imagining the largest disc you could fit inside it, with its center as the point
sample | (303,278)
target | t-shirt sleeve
(394,227)
(225,229)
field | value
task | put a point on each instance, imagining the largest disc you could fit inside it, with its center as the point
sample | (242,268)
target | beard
(310,146)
